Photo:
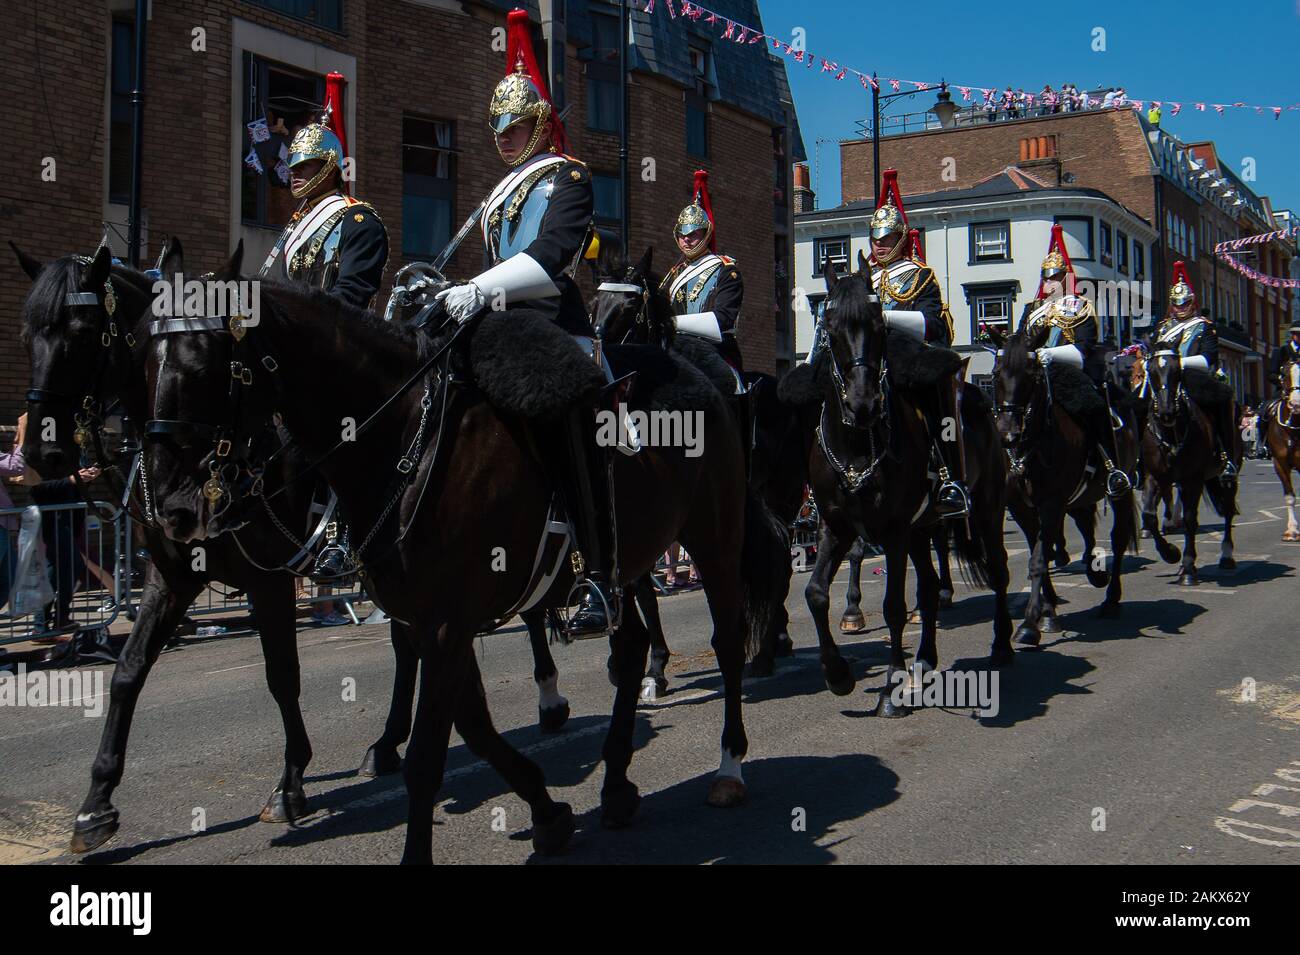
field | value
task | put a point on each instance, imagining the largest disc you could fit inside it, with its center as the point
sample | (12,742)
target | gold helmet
(887,220)
(521,96)
(1056,264)
(1181,292)
(316,141)
(889,217)
(698,215)
(1053,265)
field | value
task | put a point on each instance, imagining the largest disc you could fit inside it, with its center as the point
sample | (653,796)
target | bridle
(1156,422)
(1026,415)
(633,283)
(851,478)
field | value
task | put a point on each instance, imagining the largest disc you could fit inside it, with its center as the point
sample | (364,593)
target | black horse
(442,483)
(631,306)
(83,361)
(870,474)
(1179,450)
(1039,417)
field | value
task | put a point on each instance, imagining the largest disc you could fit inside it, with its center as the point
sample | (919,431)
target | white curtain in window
(442,135)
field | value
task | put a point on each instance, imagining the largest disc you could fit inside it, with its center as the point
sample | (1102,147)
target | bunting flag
(1224,251)
(748,34)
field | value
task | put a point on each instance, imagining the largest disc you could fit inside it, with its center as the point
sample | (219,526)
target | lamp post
(944,108)
(137,137)
(625,223)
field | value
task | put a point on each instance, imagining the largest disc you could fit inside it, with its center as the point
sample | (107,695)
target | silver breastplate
(693,296)
(316,263)
(518,220)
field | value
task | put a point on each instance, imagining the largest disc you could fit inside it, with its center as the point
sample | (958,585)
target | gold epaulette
(574,159)
(918,286)
(727,260)
(353,203)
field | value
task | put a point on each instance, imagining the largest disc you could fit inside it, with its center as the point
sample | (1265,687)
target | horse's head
(855,329)
(624,307)
(1017,376)
(77,325)
(208,401)
(1165,378)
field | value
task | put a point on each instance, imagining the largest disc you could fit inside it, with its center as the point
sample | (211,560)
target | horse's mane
(854,292)
(318,300)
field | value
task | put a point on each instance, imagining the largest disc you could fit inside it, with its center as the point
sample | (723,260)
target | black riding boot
(1225,430)
(1117,482)
(586,488)
(952,498)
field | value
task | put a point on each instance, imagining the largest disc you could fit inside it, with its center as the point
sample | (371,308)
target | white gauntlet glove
(463,302)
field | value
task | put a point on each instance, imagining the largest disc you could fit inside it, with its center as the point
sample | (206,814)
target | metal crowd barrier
(83,553)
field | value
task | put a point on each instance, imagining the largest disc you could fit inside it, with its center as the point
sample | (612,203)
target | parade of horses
(496,459)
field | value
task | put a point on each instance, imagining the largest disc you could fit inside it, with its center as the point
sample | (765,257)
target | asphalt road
(1119,741)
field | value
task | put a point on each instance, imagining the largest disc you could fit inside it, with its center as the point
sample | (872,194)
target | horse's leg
(830,554)
(1094,559)
(552,707)
(1190,494)
(943,550)
(1121,534)
(1226,560)
(776,642)
(381,758)
(1282,464)
(1151,496)
(160,611)
(988,525)
(1030,631)
(852,620)
(618,796)
(444,662)
(655,682)
(552,821)
(1175,508)
(272,600)
(895,613)
(927,598)
(721,574)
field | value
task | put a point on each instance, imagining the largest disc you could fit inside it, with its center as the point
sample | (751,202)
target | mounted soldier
(705,288)
(1073,336)
(1193,338)
(536,227)
(332,242)
(1283,355)
(914,307)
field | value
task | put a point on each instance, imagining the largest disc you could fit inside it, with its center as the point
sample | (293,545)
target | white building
(986,245)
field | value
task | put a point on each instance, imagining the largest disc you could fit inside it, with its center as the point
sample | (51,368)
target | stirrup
(1229,469)
(954,510)
(1117,482)
(579,626)
(333,563)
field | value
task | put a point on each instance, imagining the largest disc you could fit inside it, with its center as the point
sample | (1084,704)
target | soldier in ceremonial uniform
(1074,337)
(705,288)
(537,224)
(1193,338)
(336,243)
(914,306)
(1283,355)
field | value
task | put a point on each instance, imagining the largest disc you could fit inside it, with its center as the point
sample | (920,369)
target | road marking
(1269,514)
(246,666)
(1230,826)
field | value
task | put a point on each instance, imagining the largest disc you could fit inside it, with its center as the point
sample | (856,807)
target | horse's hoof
(1291,536)
(284,806)
(1001,657)
(759,668)
(552,718)
(611,671)
(945,600)
(1227,563)
(1169,553)
(725,792)
(1108,611)
(1049,623)
(1028,635)
(784,646)
(839,677)
(1146,534)
(853,623)
(888,709)
(91,832)
(380,762)
(1098,578)
(653,688)
(619,805)
(551,836)
(1188,579)
(1062,559)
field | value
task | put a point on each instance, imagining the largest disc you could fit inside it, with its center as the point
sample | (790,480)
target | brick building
(1180,189)
(420,73)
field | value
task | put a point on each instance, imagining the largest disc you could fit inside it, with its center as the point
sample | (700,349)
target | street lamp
(944,108)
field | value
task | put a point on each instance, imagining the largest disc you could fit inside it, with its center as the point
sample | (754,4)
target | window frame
(819,254)
(1121,251)
(600,73)
(973,242)
(313,19)
(1092,236)
(444,193)
(1106,246)
(127,23)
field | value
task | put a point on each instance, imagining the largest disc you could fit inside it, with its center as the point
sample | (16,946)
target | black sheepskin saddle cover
(1074,392)
(915,366)
(804,385)
(701,354)
(1207,390)
(530,367)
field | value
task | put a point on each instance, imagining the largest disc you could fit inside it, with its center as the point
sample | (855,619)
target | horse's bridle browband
(630,288)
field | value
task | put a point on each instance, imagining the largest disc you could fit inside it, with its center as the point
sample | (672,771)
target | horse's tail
(1222,497)
(764,568)
(972,555)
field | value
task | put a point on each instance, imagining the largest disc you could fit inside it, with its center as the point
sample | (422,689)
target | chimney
(804,197)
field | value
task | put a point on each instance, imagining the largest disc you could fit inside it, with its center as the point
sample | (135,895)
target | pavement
(1170,735)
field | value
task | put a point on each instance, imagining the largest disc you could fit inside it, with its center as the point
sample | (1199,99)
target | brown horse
(449,495)
(1283,438)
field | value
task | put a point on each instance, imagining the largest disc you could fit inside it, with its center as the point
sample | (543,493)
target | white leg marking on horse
(730,766)
(1225,549)
(548,693)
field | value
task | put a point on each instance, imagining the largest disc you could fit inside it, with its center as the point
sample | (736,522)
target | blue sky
(1186,52)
